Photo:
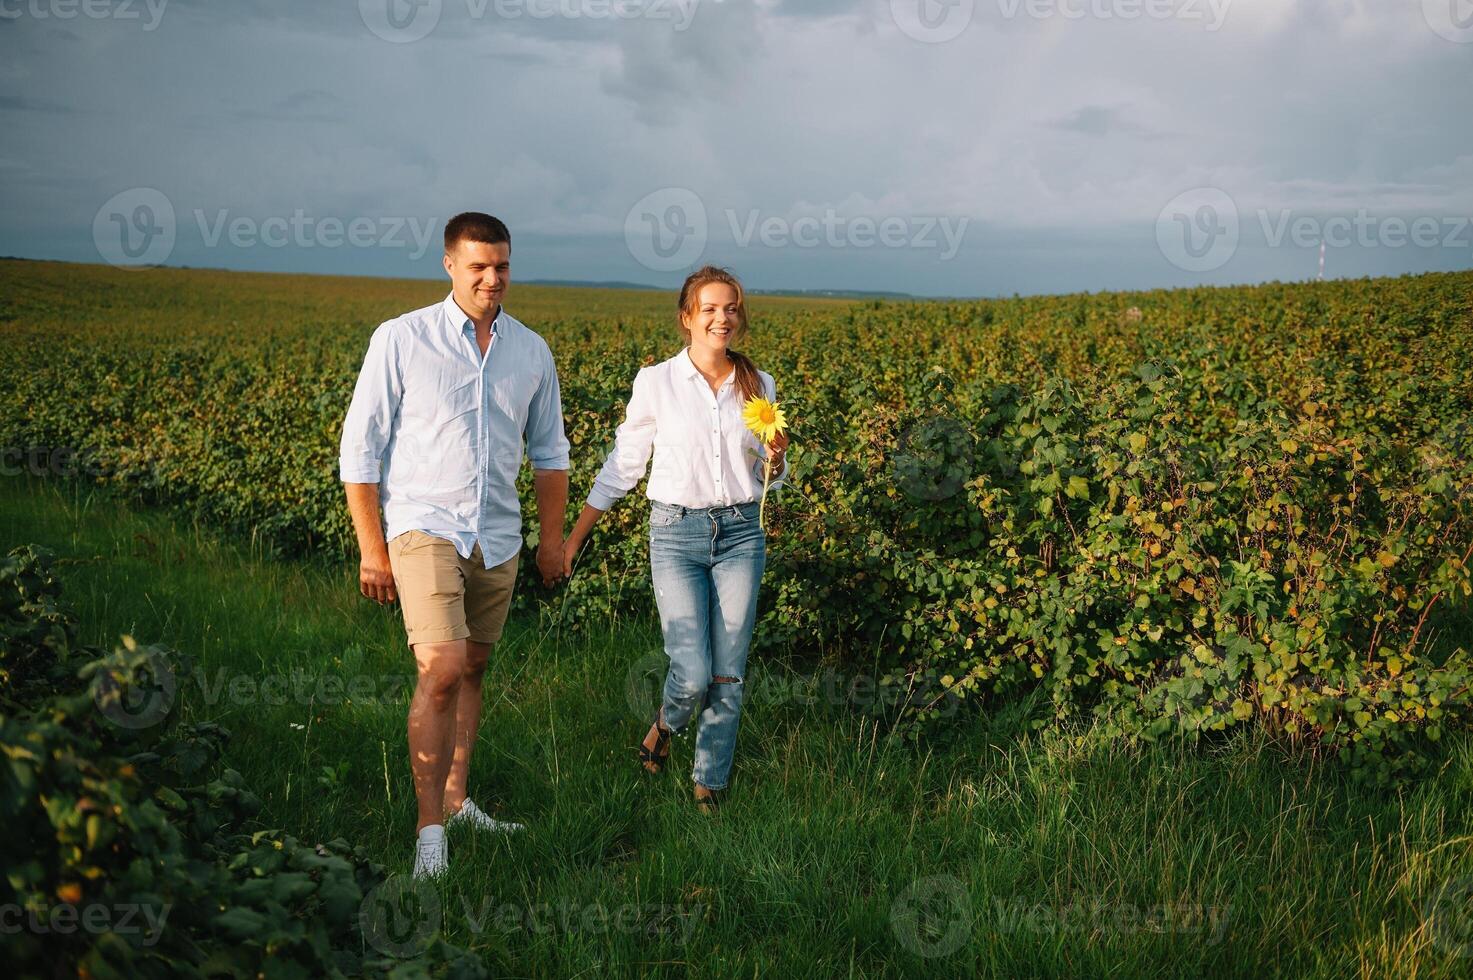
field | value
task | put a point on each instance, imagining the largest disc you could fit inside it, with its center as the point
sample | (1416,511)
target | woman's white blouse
(705,456)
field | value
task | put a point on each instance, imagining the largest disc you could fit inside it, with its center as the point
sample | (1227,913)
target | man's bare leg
(432,713)
(467,723)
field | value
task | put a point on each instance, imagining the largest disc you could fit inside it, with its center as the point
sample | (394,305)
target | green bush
(1160,512)
(130,851)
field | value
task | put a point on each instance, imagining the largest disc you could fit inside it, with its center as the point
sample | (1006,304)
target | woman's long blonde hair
(748,381)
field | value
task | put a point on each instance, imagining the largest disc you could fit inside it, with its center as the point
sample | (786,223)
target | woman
(707,548)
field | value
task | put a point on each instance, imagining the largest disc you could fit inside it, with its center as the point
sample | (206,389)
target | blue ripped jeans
(706,565)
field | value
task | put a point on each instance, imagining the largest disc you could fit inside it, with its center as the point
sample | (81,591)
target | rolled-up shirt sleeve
(777,478)
(633,442)
(370,419)
(547,444)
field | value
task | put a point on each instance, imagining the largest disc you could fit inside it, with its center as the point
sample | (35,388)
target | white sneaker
(473,815)
(430,855)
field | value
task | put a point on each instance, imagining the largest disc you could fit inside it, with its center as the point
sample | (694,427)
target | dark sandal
(653,760)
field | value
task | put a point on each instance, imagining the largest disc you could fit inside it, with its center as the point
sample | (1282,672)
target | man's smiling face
(479,274)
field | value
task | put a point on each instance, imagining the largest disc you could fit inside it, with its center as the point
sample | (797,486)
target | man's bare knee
(441,667)
(476,657)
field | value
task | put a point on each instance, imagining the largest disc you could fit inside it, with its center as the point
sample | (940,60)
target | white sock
(432,831)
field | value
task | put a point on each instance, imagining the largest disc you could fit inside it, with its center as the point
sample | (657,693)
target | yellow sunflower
(764,418)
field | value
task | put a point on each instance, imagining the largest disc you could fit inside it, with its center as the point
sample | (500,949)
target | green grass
(1000,852)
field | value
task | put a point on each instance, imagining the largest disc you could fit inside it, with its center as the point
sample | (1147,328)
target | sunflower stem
(762,507)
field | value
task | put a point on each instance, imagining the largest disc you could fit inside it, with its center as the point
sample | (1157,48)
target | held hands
(570,552)
(550,562)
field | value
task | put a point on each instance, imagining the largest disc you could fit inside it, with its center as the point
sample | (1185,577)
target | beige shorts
(446,597)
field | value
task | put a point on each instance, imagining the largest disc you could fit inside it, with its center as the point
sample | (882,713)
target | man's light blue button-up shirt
(439,427)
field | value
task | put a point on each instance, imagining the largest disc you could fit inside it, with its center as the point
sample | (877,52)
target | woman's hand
(777,450)
(570,551)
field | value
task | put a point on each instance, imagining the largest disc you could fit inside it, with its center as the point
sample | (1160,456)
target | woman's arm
(633,442)
(581,530)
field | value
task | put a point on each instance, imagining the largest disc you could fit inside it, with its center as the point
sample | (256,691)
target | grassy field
(1235,521)
(999,852)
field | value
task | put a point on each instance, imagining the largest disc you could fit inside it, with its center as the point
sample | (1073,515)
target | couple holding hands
(431,447)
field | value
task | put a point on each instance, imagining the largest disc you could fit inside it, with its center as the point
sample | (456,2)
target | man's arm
(547,448)
(366,431)
(552,508)
(375,577)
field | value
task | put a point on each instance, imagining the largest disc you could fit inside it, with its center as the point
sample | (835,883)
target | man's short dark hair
(476,226)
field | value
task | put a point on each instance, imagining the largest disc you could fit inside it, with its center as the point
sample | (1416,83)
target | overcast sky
(975,147)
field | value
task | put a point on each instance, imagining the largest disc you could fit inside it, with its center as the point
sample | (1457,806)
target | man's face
(479,274)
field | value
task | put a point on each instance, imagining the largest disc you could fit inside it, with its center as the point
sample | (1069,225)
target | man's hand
(550,560)
(376,578)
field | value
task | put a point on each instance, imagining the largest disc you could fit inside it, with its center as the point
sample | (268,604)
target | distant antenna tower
(1322,261)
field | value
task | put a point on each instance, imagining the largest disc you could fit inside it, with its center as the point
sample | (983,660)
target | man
(434,437)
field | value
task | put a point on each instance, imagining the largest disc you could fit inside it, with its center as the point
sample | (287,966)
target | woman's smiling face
(717,318)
